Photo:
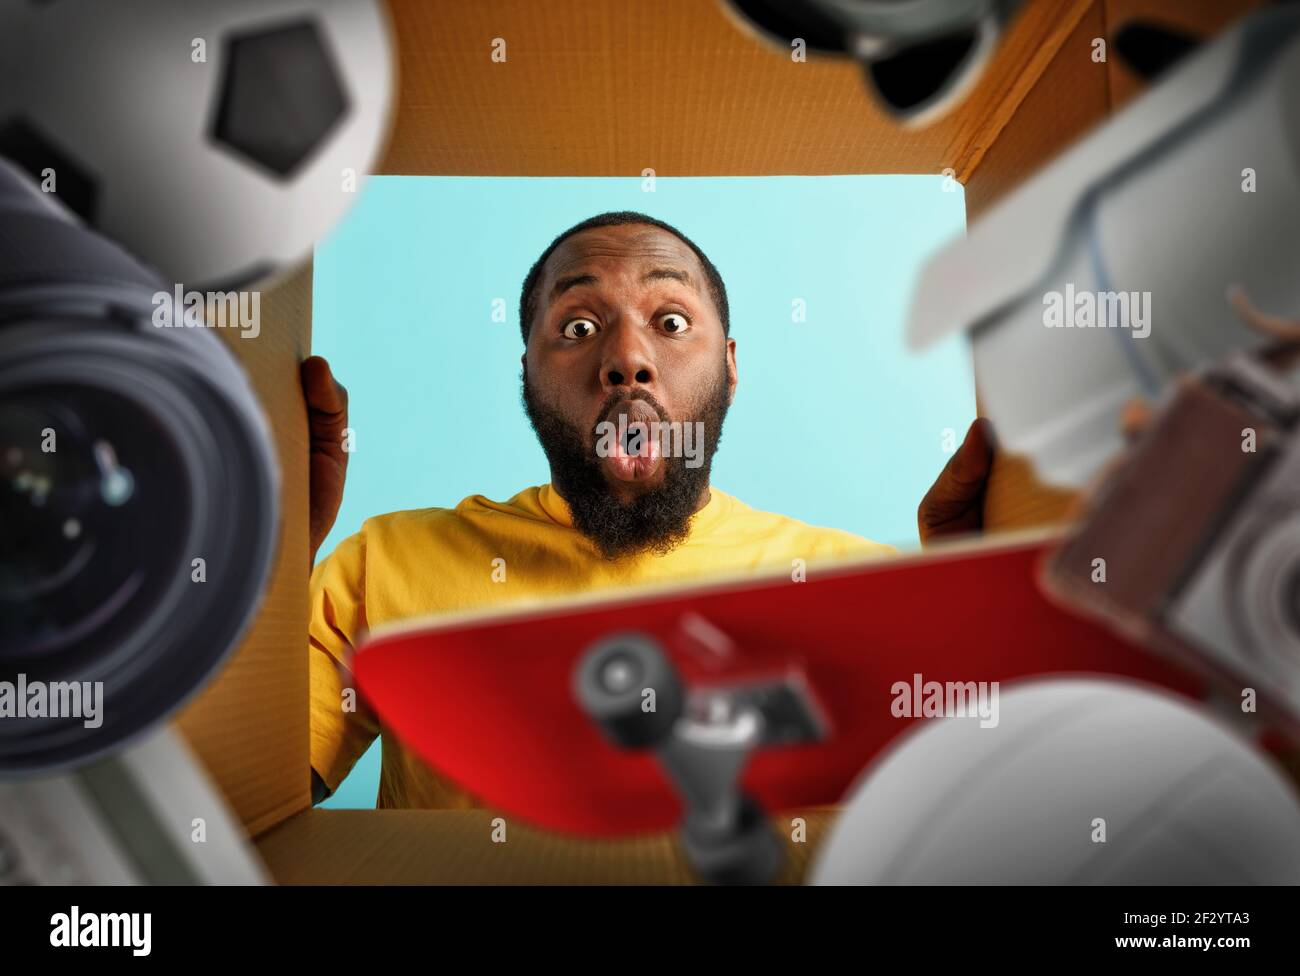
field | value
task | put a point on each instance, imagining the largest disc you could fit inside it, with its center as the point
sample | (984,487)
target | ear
(733,377)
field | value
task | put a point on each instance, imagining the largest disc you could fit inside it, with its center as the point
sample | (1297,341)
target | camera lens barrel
(138,489)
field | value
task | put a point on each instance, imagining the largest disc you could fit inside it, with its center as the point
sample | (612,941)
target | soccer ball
(1082,781)
(217,141)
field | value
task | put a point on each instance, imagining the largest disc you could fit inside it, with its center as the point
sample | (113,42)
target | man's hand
(954,505)
(327,416)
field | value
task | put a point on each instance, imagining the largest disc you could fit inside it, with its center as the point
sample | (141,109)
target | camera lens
(93,522)
(138,490)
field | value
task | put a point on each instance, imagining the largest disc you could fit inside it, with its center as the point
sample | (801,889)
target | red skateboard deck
(488,700)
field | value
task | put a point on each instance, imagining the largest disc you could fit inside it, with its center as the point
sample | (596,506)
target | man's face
(626,331)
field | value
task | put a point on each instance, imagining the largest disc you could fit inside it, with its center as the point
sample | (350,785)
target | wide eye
(580,328)
(675,323)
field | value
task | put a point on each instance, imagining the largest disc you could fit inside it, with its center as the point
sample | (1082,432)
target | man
(628,370)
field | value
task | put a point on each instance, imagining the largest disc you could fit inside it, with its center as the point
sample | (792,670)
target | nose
(626,359)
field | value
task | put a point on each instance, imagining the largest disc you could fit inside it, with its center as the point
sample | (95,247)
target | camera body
(138,492)
(1193,546)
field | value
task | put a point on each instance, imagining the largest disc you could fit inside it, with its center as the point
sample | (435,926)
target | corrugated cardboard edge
(457,847)
(250,725)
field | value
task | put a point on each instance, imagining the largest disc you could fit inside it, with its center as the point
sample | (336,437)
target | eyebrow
(574,281)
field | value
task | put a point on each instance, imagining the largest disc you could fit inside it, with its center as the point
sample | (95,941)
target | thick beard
(658,520)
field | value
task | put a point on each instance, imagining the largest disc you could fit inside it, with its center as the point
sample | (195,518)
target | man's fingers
(953,505)
(963,477)
(971,464)
(327,408)
(324,394)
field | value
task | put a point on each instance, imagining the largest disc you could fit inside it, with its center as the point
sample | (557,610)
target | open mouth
(636,451)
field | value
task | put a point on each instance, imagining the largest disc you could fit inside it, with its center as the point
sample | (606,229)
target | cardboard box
(457,846)
(610,88)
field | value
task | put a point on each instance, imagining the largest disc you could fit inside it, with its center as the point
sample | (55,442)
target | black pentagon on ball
(279,96)
(23,143)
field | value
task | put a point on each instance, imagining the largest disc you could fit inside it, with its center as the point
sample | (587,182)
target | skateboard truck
(703,739)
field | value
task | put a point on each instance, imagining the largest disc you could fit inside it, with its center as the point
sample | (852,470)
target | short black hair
(614,218)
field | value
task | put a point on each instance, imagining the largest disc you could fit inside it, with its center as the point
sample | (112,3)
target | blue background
(402,309)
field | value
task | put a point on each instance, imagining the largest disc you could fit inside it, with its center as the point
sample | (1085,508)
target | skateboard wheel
(628,685)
